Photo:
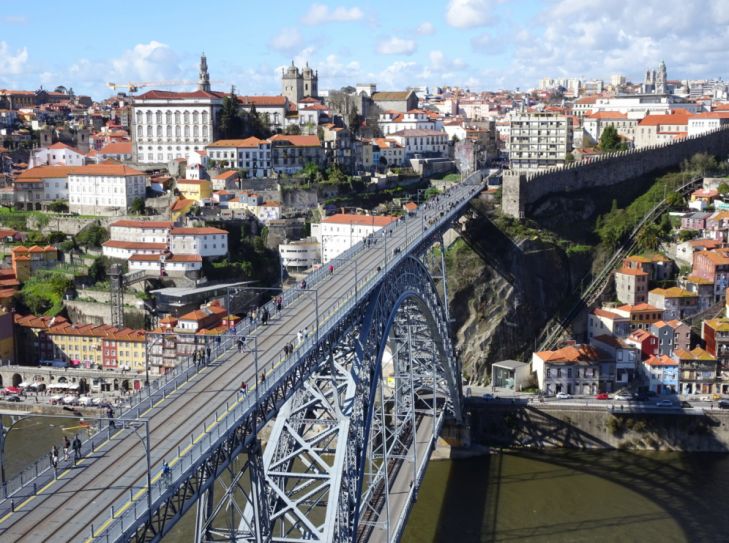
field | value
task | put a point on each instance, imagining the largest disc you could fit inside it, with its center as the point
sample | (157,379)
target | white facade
(169,125)
(203,241)
(250,154)
(300,254)
(421,142)
(391,122)
(706,122)
(104,188)
(58,154)
(55,188)
(638,106)
(126,249)
(140,231)
(539,140)
(268,211)
(339,232)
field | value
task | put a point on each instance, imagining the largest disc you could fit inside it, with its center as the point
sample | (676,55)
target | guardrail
(132,509)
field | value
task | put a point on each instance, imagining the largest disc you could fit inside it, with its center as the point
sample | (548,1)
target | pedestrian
(54,458)
(207,352)
(306,332)
(243,387)
(263,377)
(66,447)
(76,445)
(110,415)
(331,270)
(299,337)
(241,343)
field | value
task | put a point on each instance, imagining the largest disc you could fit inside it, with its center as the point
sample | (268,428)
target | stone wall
(520,191)
(81,312)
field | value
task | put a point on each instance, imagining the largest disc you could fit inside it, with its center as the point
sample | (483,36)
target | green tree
(230,119)
(56,237)
(293,130)
(723,188)
(36,238)
(650,237)
(58,206)
(98,269)
(569,158)
(92,236)
(137,207)
(674,200)
(685,235)
(610,140)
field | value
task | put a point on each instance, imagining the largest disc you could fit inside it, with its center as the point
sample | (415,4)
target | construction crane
(134,87)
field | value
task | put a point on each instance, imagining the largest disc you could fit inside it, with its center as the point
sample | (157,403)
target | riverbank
(551,426)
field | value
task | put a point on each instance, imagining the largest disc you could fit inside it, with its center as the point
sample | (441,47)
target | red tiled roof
(118,148)
(141,224)
(360,220)
(196,231)
(60,145)
(298,141)
(677,116)
(106,168)
(131,245)
(263,101)
(245,142)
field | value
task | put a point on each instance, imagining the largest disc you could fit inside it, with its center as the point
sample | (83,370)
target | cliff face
(503,292)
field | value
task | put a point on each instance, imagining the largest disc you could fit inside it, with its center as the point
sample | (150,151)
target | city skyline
(479,44)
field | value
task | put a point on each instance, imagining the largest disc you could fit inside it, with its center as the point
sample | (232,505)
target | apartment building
(539,140)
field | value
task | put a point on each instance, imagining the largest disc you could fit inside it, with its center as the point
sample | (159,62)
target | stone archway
(83,386)
(17,379)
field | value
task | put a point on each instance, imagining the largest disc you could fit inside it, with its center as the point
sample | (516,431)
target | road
(76,505)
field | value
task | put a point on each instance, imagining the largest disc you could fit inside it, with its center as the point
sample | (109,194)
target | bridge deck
(77,504)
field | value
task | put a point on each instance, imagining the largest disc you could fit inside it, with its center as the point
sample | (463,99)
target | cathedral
(296,85)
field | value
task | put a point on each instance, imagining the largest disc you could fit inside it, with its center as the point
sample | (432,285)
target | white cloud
(146,62)
(320,13)
(396,46)
(470,13)
(426,29)
(14,19)
(12,63)
(286,40)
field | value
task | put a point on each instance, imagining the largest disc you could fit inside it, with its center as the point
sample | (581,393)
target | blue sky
(480,44)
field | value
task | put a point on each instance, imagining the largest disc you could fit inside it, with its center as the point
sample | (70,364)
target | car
(665,403)
(623,396)
(705,398)
(13,398)
(723,404)
(602,396)
(85,401)
(564,396)
(488,396)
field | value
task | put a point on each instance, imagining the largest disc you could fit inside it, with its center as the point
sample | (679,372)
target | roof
(677,116)
(639,308)
(263,101)
(59,145)
(228,174)
(611,340)
(193,182)
(663,360)
(697,353)
(510,364)
(695,279)
(390,96)
(199,314)
(245,142)
(141,224)
(116,244)
(719,325)
(297,141)
(44,172)
(631,271)
(196,231)
(673,292)
(360,220)
(640,335)
(572,354)
(181,204)
(171,95)
(106,168)
(118,148)
(606,314)
(31,321)
(672,323)
(587,100)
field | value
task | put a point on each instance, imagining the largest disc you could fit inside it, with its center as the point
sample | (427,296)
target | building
(604,320)
(662,129)
(165,264)
(297,85)
(671,335)
(661,374)
(108,188)
(120,151)
(289,154)
(35,188)
(539,140)
(300,255)
(574,369)
(274,110)
(715,333)
(657,266)
(510,374)
(399,101)
(206,241)
(594,124)
(631,286)
(713,266)
(391,122)
(58,154)
(425,143)
(197,190)
(677,303)
(697,371)
(640,316)
(226,180)
(250,154)
(626,357)
(339,232)
(167,125)
(644,341)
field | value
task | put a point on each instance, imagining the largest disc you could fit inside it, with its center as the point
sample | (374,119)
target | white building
(339,232)
(120,151)
(268,211)
(106,188)
(637,106)
(391,151)
(165,264)
(203,241)
(301,254)
(415,119)
(124,250)
(251,154)
(140,231)
(42,185)
(706,122)
(594,124)
(422,142)
(539,140)
(272,109)
(58,154)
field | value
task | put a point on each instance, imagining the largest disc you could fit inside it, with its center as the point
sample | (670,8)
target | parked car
(724,404)
(624,396)
(56,399)
(564,396)
(602,396)
(85,401)
(488,396)
(13,398)
(70,400)
(705,398)
(665,403)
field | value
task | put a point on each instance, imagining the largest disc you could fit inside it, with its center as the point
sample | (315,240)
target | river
(523,495)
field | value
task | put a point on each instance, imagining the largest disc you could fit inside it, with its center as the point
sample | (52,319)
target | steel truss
(349,429)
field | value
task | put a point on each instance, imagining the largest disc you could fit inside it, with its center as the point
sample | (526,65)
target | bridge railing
(132,509)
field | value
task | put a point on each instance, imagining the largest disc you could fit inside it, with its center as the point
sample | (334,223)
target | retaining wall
(521,190)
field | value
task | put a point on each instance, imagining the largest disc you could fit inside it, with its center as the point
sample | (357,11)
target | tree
(56,237)
(293,130)
(98,269)
(650,237)
(230,120)
(723,189)
(58,206)
(354,122)
(92,236)
(137,206)
(569,158)
(685,235)
(674,200)
(610,140)
(36,238)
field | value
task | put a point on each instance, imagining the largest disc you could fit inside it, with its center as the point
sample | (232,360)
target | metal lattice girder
(327,459)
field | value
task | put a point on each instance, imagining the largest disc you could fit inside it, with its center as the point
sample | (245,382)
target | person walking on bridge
(66,447)
(76,445)
(241,343)
(207,353)
(331,270)
(243,388)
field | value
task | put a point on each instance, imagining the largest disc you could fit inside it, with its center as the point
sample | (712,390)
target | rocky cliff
(502,291)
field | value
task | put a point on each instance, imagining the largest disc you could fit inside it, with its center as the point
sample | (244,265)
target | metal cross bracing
(338,443)
(204,427)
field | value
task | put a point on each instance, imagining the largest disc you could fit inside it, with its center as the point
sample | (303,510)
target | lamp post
(147,449)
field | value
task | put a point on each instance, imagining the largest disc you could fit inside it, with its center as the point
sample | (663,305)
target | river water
(534,496)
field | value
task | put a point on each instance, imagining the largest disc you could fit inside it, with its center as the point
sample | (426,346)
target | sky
(476,44)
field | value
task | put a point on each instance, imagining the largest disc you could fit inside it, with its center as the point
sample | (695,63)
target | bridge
(348,416)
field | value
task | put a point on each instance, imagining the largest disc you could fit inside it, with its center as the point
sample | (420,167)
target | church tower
(203,83)
(292,84)
(311,82)
(661,79)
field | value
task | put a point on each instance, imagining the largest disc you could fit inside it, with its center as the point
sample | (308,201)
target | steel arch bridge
(348,419)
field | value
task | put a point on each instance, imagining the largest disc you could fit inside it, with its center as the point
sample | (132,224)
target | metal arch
(315,460)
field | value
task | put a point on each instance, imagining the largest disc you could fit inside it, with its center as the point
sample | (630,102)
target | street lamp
(147,448)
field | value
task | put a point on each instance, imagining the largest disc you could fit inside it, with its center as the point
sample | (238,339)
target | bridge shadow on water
(686,489)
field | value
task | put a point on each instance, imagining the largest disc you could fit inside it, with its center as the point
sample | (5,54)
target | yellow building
(195,189)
